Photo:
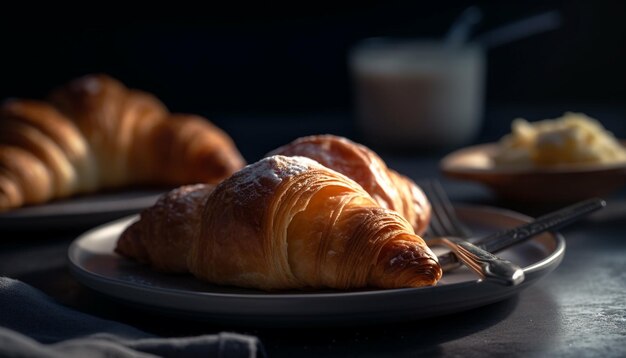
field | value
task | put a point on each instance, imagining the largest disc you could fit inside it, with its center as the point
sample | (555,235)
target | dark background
(273,59)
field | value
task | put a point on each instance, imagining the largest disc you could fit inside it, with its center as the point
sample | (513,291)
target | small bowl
(564,184)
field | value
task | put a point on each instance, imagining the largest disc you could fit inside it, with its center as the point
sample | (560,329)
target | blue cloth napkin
(34,325)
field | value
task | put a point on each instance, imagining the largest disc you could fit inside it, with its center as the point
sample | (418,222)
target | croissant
(95,133)
(281,223)
(390,189)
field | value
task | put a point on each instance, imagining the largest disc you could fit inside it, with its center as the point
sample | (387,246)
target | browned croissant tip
(406,262)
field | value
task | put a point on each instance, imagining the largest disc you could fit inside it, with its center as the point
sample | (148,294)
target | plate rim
(552,258)
(95,209)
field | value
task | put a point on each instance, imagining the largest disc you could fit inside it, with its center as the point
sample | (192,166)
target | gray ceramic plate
(86,211)
(94,263)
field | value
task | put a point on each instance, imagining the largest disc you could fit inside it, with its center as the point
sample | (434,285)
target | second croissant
(94,133)
(389,188)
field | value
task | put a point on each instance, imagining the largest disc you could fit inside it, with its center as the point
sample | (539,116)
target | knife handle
(552,221)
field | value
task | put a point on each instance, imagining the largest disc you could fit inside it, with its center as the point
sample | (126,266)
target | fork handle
(485,264)
(551,221)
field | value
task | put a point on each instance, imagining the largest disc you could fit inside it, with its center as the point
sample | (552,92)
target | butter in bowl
(550,161)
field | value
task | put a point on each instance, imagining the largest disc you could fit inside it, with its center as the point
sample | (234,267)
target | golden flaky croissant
(389,188)
(281,223)
(95,133)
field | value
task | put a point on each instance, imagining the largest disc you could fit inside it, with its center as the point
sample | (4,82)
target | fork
(446,229)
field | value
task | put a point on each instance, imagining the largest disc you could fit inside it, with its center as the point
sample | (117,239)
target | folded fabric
(32,324)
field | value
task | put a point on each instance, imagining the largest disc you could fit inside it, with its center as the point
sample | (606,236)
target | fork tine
(442,225)
(433,228)
(444,220)
(448,212)
(485,264)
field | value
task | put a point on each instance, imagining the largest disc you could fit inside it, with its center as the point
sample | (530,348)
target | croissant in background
(281,223)
(95,133)
(390,189)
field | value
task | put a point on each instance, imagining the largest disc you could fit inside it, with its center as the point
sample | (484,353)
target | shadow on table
(426,336)
(397,339)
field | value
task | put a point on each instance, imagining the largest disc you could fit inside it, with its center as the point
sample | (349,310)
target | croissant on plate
(281,223)
(389,188)
(95,133)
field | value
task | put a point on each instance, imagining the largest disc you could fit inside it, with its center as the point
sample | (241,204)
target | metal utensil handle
(552,221)
(507,238)
(485,264)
